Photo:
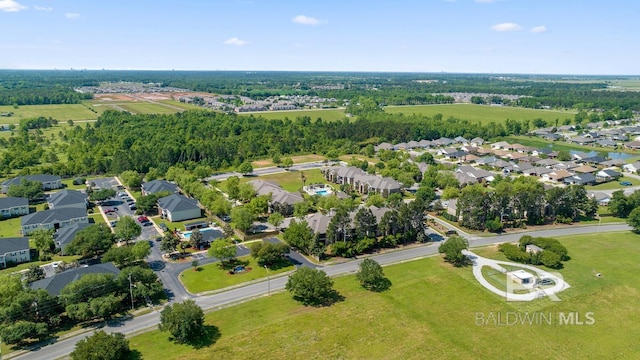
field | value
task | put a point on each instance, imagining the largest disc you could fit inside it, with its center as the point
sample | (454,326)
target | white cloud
(11,6)
(506,27)
(235,42)
(71,15)
(42,8)
(305,20)
(539,29)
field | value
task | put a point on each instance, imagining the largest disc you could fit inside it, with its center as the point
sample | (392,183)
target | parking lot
(119,206)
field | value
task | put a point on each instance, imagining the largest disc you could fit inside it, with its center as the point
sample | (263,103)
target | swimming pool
(322,192)
(187,234)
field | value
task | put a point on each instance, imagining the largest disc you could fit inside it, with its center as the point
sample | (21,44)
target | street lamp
(268,281)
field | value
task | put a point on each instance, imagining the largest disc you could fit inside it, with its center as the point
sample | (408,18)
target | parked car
(163,226)
(625,183)
(142,218)
(147,223)
(451,232)
(113,223)
(111,211)
(133,207)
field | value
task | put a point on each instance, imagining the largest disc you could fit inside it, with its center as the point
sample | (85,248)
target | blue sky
(487,36)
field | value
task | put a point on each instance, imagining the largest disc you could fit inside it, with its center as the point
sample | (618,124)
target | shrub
(79,181)
(513,253)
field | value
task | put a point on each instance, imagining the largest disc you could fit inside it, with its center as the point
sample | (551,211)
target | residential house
(461,140)
(13,206)
(632,168)
(635,145)
(537,171)
(478,174)
(557,176)
(581,179)
(157,186)
(64,236)
(566,165)
(452,207)
(412,144)
(68,199)
(546,162)
(178,207)
(447,151)
(282,201)
(519,167)
(581,140)
(425,144)
(54,284)
(53,219)
(613,162)
(552,137)
(14,251)
(443,141)
(594,160)
(584,169)
(607,175)
(477,141)
(383,146)
(602,198)
(49,182)
(500,145)
(606,143)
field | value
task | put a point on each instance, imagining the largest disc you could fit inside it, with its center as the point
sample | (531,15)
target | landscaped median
(215,276)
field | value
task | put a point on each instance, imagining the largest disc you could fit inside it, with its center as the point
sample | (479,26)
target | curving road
(255,290)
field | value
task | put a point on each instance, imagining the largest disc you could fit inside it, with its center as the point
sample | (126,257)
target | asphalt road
(216,301)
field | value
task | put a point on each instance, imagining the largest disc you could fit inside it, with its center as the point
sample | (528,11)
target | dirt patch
(113,97)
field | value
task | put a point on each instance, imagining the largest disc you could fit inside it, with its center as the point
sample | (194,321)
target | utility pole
(130,291)
(268,282)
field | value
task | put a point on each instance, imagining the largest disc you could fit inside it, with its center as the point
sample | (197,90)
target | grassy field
(314,114)
(297,159)
(347,158)
(62,112)
(481,113)
(10,227)
(212,276)
(146,108)
(560,145)
(289,180)
(431,311)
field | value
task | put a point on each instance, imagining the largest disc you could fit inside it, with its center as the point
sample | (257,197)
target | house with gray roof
(581,179)
(49,182)
(54,284)
(14,251)
(477,141)
(68,199)
(13,206)
(633,167)
(53,219)
(383,146)
(282,201)
(443,141)
(179,207)
(64,236)
(360,180)
(157,186)
(606,143)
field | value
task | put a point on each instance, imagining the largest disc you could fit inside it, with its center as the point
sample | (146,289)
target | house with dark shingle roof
(156,186)
(13,206)
(580,179)
(64,236)
(14,251)
(54,284)
(68,199)
(179,207)
(49,182)
(607,175)
(53,219)
(361,181)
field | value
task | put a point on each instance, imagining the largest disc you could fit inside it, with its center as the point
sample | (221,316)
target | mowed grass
(297,159)
(213,277)
(314,114)
(481,113)
(10,227)
(61,112)
(146,108)
(432,311)
(614,184)
(560,145)
(288,180)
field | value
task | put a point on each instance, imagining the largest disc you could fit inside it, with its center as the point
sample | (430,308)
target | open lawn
(10,227)
(560,145)
(181,105)
(97,218)
(435,311)
(146,108)
(481,113)
(213,276)
(61,112)
(614,184)
(289,180)
(314,114)
(347,158)
(297,159)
